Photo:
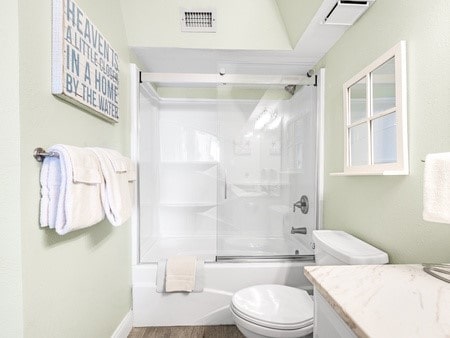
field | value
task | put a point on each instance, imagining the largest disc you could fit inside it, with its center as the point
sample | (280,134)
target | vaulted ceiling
(252,36)
(296,15)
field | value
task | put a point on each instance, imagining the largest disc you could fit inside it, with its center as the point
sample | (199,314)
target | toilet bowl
(272,310)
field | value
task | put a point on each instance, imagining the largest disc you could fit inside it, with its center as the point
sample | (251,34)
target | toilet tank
(338,248)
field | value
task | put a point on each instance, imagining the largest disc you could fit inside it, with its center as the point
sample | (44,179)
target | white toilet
(281,311)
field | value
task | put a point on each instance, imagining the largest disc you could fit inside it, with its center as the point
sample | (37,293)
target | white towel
(180,273)
(436,188)
(161,276)
(71,199)
(50,184)
(117,171)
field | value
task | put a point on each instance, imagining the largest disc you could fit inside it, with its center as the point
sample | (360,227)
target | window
(375,117)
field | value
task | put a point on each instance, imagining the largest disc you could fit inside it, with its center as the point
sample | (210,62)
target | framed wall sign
(85,67)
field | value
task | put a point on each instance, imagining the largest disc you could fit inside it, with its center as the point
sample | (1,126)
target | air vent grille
(198,20)
(346,12)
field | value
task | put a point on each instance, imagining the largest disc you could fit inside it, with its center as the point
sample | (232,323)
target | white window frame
(401,167)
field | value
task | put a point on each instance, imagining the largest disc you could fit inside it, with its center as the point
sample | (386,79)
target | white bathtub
(208,247)
(209,307)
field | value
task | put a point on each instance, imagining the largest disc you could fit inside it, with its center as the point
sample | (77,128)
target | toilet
(272,310)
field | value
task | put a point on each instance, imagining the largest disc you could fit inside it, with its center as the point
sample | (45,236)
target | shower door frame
(136,77)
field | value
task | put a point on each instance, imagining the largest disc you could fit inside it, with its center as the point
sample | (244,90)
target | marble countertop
(385,300)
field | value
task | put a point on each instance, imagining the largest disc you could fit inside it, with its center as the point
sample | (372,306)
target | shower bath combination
(219,177)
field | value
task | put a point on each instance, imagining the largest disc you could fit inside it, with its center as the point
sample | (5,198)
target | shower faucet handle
(303,204)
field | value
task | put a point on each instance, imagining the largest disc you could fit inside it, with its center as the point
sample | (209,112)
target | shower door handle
(225,194)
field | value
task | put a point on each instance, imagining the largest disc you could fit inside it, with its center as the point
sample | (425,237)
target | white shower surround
(210,307)
(221,280)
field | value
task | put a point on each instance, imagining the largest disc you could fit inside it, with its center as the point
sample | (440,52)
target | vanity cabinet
(327,323)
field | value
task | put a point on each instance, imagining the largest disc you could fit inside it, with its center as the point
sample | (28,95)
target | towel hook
(39,154)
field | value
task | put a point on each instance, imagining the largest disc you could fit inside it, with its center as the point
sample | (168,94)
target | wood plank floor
(217,331)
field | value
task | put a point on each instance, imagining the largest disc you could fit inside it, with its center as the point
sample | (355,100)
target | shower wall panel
(179,174)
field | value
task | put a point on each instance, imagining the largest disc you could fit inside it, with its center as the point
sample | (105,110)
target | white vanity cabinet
(379,301)
(327,323)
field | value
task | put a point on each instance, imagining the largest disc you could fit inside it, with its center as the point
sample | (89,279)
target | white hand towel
(50,185)
(161,276)
(436,188)
(180,273)
(115,189)
(78,204)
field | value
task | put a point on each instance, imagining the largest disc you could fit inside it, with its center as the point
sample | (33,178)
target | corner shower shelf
(188,204)
(258,184)
(205,163)
(250,194)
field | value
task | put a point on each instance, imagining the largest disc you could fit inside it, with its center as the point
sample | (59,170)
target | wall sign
(85,68)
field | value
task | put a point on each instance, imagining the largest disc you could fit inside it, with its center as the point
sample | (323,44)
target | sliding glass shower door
(267,163)
(219,175)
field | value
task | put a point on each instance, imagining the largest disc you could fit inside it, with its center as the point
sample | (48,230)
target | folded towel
(131,169)
(70,189)
(180,273)
(161,276)
(117,171)
(50,183)
(436,188)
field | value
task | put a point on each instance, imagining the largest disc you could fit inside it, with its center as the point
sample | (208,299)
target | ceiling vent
(346,12)
(199,20)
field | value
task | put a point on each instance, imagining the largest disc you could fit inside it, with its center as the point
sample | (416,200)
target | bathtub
(210,307)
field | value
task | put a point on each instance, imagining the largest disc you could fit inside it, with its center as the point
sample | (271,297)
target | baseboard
(125,326)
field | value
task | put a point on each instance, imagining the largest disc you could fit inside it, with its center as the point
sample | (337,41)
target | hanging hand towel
(180,273)
(161,276)
(70,189)
(115,189)
(436,188)
(50,184)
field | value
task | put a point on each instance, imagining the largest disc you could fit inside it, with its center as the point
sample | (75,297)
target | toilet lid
(274,306)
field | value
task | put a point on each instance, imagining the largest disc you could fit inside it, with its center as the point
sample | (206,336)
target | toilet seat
(251,330)
(270,325)
(274,307)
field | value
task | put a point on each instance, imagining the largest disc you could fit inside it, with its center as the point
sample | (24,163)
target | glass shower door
(267,162)
(178,162)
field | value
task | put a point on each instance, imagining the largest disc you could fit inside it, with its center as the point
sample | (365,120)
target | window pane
(359,145)
(358,101)
(383,84)
(384,131)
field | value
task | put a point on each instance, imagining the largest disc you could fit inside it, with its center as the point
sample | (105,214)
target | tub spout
(301,230)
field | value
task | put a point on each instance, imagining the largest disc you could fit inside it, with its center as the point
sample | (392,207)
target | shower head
(310,73)
(290,89)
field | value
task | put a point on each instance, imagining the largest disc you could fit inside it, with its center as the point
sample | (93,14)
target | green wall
(10,250)
(77,285)
(387,211)
(297,15)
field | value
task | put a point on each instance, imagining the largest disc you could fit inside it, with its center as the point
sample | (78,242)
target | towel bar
(39,154)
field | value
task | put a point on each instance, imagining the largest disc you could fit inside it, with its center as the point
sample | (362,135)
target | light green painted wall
(249,24)
(77,285)
(387,211)
(11,320)
(296,15)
